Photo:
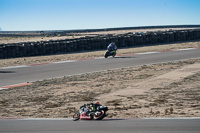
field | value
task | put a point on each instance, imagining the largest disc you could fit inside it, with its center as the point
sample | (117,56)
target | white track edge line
(3,88)
(67,61)
(147,53)
(9,67)
(184,49)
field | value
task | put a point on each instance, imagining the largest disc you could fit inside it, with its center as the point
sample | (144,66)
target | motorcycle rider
(92,106)
(89,107)
(112,47)
(91,111)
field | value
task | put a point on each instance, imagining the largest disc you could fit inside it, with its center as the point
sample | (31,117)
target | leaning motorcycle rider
(89,107)
(112,47)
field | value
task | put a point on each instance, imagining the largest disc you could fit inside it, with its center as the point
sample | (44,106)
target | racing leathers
(89,107)
(112,47)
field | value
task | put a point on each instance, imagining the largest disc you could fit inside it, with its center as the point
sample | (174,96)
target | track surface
(10,76)
(104,126)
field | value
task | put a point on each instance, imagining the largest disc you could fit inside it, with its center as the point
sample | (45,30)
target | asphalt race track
(22,74)
(105,126)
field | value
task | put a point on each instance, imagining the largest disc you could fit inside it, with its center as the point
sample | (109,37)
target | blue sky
(20,15)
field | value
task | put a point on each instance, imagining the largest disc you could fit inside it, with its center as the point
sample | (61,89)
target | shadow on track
(113,119)
(116,57)
(7,71)
(125,57)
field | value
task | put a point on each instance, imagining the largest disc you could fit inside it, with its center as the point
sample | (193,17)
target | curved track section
(24,74)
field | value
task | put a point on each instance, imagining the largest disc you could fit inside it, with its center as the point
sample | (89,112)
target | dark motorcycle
(84,114)
(110,53)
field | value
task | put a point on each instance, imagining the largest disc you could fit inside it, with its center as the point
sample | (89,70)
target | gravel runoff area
(159,90)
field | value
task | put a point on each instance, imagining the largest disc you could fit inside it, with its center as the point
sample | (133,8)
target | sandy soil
(86,55)
(159,90)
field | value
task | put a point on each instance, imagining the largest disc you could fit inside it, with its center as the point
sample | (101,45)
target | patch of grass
(143,76)
(39,99)
(158,89)
(53,105)
(114,102)
(106,91)
(160,101)
(4,102)
(140,96)
(169,111)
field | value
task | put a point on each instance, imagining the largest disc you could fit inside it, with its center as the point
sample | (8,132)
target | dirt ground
(159,90)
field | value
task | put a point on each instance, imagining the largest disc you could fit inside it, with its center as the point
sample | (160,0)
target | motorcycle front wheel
(76,117)
(106,54)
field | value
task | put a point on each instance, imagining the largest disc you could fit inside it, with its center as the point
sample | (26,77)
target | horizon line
(109,29)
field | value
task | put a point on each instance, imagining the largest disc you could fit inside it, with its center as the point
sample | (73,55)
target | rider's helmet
(112,43)
(97,103)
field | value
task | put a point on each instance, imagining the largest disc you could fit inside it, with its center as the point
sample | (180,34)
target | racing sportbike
(85,114)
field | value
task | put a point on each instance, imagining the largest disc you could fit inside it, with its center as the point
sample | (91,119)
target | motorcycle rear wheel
(101,116)
(114,54)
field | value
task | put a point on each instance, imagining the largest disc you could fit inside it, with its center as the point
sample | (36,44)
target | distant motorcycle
(111,50)
(97,114)
(110,53)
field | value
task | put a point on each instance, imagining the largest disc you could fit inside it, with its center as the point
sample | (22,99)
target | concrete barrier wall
(95,43)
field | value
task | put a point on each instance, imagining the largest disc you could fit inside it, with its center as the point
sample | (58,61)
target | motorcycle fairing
(85,117)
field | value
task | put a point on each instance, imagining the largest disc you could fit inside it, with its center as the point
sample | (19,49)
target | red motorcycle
(87,113)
